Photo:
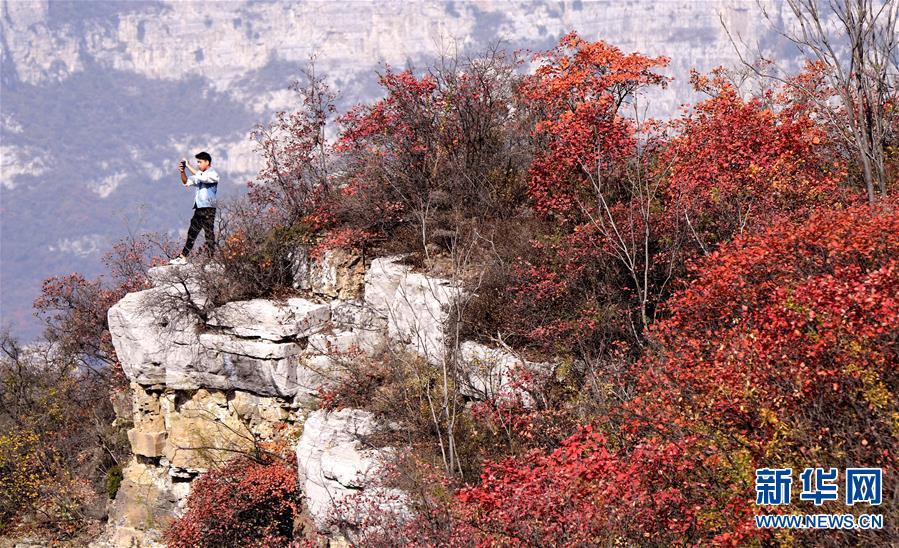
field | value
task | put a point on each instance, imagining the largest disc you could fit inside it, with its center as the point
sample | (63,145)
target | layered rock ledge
(208,383)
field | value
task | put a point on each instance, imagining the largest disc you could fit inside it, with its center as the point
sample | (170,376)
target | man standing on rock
(206,181)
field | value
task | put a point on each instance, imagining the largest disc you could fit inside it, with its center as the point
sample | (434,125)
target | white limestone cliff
(204,391)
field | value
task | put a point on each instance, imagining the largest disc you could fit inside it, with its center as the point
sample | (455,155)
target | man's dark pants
(203,219)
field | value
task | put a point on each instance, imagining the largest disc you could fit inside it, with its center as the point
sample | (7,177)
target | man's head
(204,160)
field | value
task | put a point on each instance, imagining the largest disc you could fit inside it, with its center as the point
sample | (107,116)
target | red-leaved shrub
(782,353)
(244,503)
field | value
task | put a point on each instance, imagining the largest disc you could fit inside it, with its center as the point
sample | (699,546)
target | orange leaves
(235,245)
(343,238)
(580,71)
(576,93)
(737,164)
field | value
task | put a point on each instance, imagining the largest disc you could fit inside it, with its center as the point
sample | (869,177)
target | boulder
(422,315)
(148,338)
(270,320)
(381,280)
(182,281)
(334,346)
(329,348)
(203,393)
(334,463)
(123,407)
(368,329)
(197,429)
(419,310)
(312,376)
(175,275)
(354,315)
(155,352)
(488,373)
(259,349)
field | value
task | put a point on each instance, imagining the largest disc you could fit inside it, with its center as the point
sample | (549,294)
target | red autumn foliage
(737,165)
(625,234)
(437,150)
(788,341)
(782,352)
(588,493)
(577,93)
(294,179)
(596,277)
(246,502)
(342,238)
(390,144)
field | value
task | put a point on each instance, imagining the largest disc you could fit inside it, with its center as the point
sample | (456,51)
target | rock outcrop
(208,383)
(146,502)
(269,320)
(255,346)
(488,373)
(334,463)
(338,274)
(419,310)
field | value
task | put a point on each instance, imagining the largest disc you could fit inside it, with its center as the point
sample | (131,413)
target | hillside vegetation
(716,293)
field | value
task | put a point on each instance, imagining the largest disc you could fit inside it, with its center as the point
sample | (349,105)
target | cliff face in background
(100,99)
(204,391)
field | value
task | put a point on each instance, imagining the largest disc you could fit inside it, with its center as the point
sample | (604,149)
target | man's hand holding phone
(182,166)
